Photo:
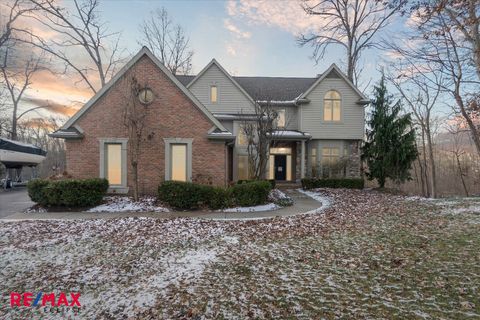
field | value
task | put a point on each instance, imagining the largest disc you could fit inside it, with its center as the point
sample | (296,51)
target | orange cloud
(52,106)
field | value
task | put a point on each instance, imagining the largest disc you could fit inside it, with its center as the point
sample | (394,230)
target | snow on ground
(470,209)
(363,257)
(326,202)
(277,194)
(263,207)
(127,204)
(277,197)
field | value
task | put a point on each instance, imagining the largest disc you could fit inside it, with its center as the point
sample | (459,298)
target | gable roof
(215,62)
(287,89)
(336,69)
(143,52)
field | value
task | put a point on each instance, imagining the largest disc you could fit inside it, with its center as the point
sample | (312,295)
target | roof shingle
(267,88)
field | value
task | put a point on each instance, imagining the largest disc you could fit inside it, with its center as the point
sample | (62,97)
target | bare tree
(167,41)
(134,119)
(258,130)
(80,30)
(460,15)
(17,78)
(350,24)
(434,48)
(421,98)
(14,10)
(35,131)
(455,130)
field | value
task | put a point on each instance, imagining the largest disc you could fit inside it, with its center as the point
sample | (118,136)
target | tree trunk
(14,122)
(461,173)
(350,63)
(433,179)
(471,125)
(135,180)
(424,165)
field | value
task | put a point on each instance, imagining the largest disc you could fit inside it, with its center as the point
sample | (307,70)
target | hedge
(350,183)
(251,193)
(187,195)
(68,193)
(271,181)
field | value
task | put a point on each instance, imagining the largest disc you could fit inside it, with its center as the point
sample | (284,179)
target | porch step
(288,185)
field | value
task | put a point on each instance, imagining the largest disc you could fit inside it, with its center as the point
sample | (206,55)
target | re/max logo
(42,299)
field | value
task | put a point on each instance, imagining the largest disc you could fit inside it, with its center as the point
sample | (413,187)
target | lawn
(369,255)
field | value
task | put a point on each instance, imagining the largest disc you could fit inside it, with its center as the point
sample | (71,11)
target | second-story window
(332,105)
(213,94)
(281,118)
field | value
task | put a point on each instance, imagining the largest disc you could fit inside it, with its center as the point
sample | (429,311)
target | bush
(251,194)
(36,190)
(279,198)
(272,182)
(68,193)
(182,195)
(351,183)
(218,198)
(187,195)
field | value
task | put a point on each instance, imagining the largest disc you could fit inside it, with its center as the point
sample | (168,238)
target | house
(193,126)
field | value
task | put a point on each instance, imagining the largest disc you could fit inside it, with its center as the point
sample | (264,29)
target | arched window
(332,104)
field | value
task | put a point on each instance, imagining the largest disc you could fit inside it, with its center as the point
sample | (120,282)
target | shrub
(251,194)
(36,190)
(279,198)
(271,181)
(187,195)
(218,198)
(182,195)
(350,183)
(68,193)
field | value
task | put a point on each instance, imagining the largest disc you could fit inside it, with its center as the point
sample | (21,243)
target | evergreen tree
(390,148)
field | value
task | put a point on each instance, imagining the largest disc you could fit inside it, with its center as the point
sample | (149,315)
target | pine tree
(390,148)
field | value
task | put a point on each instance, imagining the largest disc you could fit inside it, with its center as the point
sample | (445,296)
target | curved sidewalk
(302,204)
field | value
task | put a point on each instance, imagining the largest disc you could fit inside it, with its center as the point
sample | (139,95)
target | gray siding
(351,125)
(230,98)
(291,117)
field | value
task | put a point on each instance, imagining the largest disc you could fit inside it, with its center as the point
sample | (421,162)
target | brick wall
(171,115)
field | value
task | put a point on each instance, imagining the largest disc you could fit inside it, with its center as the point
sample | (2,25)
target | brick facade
(171,115)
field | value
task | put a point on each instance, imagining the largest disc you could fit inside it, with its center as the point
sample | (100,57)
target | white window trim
(123,187)
(341,107)
(210,93)
(279,111)
(168,143)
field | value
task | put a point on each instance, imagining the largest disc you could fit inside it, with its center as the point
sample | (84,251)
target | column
(302,160)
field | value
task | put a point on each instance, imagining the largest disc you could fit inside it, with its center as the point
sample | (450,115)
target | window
(178,159)
(331,106)
(281,118)
(213,94)
(330,156)
(242,139)
(114,163)
(242,167)
(178,162)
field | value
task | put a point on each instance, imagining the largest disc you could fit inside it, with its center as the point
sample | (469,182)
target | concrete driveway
(13,201)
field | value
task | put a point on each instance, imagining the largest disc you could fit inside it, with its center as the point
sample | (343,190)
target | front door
(280,167)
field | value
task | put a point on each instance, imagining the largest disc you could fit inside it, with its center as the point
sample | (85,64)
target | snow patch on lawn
(325,201)
(172,270)
(471,209)
(263,207)
(126,204)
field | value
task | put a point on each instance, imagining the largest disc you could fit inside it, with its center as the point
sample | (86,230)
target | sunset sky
(247,37)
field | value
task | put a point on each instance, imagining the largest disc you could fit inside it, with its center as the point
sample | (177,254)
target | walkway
(302,204)
(14,200)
